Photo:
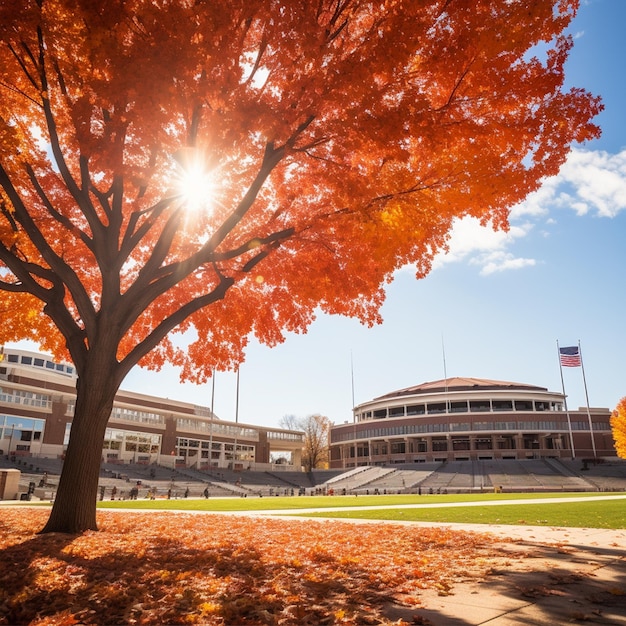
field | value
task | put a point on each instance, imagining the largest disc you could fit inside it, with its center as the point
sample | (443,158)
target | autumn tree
(316,429)
(618,426)
(222,169)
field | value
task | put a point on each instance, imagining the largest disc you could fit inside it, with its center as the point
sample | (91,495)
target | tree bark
(74,509)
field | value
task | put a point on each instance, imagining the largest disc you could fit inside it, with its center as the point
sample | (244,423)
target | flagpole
(211,422)
(354,420)
(582,367)
(353,411)
(236,420)
(445,374)
(352,384)
(569,421)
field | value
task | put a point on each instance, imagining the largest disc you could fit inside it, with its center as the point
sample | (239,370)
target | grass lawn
(529,510)
(322,502)
(599,514)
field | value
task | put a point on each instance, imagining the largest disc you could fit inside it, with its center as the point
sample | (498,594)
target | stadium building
(37,398)
(459,419)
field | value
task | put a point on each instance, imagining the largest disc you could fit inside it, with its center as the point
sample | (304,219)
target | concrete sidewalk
(555,576)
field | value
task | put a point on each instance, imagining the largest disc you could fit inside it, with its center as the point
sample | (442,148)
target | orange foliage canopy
(618,426)
(342,138)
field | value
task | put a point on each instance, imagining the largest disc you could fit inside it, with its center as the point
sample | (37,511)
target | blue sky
(497,303)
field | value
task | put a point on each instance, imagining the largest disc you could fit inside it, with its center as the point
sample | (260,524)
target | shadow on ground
(542,585)
(159,568)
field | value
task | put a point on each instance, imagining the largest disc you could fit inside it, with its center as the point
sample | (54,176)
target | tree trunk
(74,509)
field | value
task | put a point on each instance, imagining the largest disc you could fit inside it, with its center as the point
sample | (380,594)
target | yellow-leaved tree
(618,426)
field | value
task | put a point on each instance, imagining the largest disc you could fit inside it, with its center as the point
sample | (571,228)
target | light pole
(236,421)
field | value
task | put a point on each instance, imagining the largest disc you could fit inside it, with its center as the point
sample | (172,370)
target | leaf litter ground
(176,568)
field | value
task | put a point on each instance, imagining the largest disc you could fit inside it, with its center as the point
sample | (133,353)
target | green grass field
(600,514)
(528,508)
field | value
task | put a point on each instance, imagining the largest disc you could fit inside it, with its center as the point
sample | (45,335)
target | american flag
(570,357)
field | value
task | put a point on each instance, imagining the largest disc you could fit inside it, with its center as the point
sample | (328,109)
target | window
(505,426)
(132,415)
(460,426)
(130,441)
(39,362)
(415,409)
(20,428)
(482,426)
(458,407)
(398,447)
(439,407)
(523,405)
(27,398)
(502,405)
(460,444)
(480,406)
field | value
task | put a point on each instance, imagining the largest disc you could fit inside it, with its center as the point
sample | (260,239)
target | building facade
(469,419)
(37,399)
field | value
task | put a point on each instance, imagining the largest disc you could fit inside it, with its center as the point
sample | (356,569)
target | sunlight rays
(196,182)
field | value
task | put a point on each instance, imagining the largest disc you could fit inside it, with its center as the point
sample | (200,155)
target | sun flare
(195,180)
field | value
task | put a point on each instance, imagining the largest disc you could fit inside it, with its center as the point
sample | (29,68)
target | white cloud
(502,261)
(483,246)
(590,183)
(537,203)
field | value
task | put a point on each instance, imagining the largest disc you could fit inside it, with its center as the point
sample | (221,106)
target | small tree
(618,425)
(316,428)
(224,168)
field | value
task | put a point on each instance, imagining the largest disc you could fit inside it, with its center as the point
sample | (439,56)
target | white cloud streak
(590,183)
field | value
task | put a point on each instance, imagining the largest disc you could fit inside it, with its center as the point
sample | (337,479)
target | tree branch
(169,323)
(64,221)
(58,267)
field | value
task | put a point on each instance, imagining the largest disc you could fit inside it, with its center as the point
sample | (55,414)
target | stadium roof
(461,384)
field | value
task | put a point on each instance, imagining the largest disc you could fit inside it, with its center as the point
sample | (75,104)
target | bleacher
(401,480)
(357,480)
(452,476)
(607,476)
(532,475)
(319,476)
